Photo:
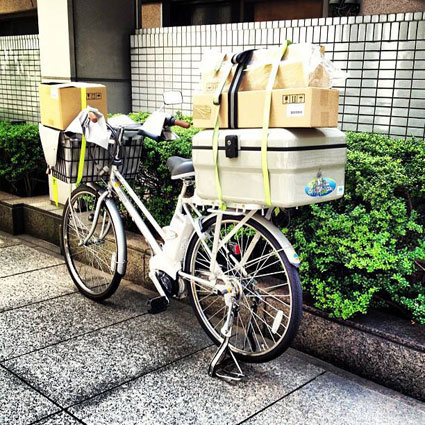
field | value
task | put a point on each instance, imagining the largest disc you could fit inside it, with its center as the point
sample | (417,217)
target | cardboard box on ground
(60,103)
(301,97)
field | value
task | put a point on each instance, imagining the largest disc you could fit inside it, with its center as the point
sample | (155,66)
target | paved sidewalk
(67,360)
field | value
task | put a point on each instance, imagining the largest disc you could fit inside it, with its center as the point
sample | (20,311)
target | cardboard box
(304,107)
(301,67)
(291,74)
(60,103)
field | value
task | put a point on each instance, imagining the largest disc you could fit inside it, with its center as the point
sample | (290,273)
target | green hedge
(154,184)
(21,158)
(356,252)
(362,249)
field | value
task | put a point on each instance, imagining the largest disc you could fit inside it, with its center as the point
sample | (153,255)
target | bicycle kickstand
(224,361)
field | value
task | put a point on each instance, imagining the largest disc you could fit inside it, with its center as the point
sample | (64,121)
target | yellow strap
(266,122)
(219,62)
(83,139)
(226,72)
(216,101)
(55,190)
(215,157)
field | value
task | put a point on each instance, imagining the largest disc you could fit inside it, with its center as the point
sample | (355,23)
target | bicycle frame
(170,261)
(207,253)
(161,259)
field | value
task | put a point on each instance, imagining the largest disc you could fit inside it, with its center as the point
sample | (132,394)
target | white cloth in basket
(94,132)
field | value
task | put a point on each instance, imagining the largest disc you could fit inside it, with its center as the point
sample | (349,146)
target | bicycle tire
(81,281)
(295,290)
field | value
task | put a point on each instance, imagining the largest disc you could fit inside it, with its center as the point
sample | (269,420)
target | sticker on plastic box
(340,190)
(320,186)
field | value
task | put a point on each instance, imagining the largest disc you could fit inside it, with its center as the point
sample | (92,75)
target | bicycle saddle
(180,168)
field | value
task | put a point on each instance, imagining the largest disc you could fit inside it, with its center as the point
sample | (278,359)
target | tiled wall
(384,56)
(19,78)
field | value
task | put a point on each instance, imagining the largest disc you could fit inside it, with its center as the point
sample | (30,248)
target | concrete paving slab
(183,393)
(40,244)
(7,240)
(59,419)
(363,382)
(4,196)
(38,325)
(333,400)
(112,364)
(21,259)
(32,287)
(20,404)
(83,367)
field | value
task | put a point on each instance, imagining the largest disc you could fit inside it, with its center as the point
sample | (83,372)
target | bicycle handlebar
(141,132)
(173,121)
(168,123)
(182,124)
(145,133)
(92,117)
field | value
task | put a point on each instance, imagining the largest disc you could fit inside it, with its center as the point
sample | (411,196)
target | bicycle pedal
(157,305)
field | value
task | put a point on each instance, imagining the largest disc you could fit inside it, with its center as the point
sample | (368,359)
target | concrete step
(38,217)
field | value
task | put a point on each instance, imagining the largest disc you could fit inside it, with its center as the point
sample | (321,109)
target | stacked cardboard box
(302,95)
(302,107)
(60,103)
(300,163)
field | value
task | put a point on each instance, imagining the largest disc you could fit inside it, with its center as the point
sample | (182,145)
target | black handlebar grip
(145,133)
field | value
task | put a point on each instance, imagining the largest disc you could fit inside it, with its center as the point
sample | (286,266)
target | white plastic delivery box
(306,165)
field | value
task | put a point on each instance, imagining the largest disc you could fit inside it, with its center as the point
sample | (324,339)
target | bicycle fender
(120,234)
(287,247)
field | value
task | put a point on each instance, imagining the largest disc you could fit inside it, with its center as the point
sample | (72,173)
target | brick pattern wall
(19,78)
(384,56)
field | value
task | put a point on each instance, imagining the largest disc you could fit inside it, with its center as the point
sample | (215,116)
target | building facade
(165,13)
(384,55)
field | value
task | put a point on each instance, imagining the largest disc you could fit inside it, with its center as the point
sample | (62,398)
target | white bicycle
(238,269)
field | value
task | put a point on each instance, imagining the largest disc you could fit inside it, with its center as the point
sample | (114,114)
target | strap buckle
(217,100)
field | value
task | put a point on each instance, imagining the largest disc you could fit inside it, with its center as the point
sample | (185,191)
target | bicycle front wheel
(270,307)
(92,265)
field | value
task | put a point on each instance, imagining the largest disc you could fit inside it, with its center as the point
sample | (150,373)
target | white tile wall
(19,78)
(384,56)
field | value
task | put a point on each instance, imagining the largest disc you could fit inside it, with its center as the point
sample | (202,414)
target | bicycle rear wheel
(270,308)
(93,266)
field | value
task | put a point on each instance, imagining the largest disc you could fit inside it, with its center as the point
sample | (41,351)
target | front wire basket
(96,158)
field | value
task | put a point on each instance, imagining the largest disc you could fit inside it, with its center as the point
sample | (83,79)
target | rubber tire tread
(113,286)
